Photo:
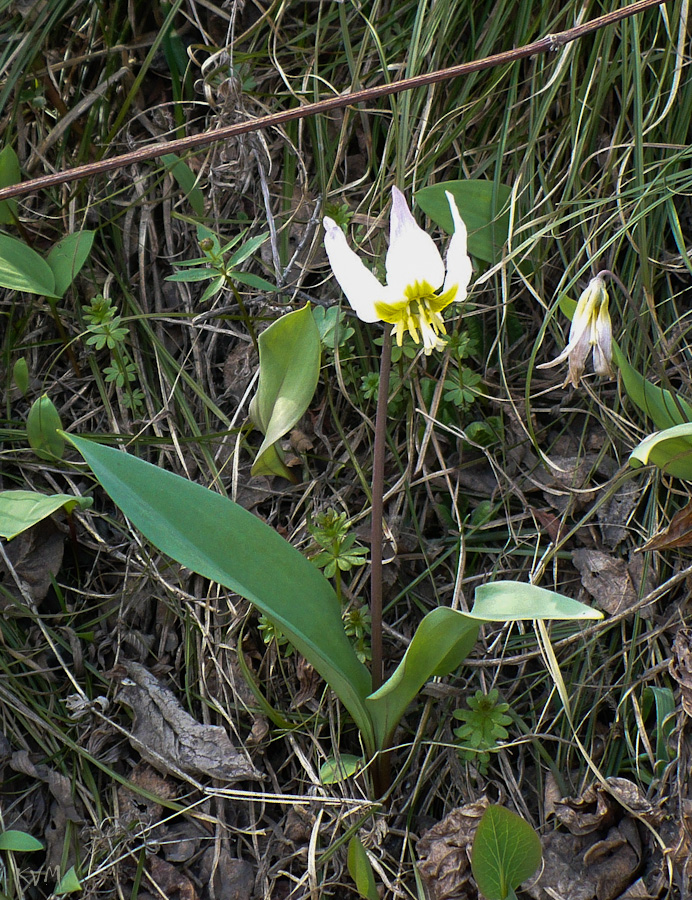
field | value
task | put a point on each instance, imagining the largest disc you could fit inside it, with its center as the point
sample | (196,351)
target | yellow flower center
(419,313)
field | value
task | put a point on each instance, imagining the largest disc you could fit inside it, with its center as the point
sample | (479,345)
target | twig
(186,145)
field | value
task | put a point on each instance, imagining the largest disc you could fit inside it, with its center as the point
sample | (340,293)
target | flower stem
(377,496)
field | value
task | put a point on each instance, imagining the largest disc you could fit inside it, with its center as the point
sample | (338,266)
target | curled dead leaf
(677,535)
(680,666)
(171,739)
(444,853)
(611,581)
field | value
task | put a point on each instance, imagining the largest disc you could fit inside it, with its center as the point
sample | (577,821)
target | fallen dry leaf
(59,785)
(680,666)
(610,580)
(36,557)
(170,738)
(444,853)
(171,882)
(138,807)
(228,878)
(603,856)
(677,535)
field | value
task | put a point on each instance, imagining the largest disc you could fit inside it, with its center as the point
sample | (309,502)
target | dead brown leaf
(610,580)
(170,739)
(59,785)
(169,880)
(677,535)
(36,557)
(227,878)
(599,807)
(444,853)
(140,807)
(603,856)
(680,666)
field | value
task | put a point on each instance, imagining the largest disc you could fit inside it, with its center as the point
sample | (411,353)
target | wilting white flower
(415,273)
(591,330)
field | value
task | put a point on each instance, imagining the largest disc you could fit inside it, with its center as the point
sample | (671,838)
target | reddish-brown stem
(186,145)
(377,495)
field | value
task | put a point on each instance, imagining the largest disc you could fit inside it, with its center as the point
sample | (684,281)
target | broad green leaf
(42,427)
(506,851)
(664,407)
(69,883)
(187,181)
(10,173)
(442,641)
(339,768)
(289,352)
(360,869)
(511,601)
(218,539)
(20,510)
(20,375)
(19,842)
(22,269)
(271,463)
(485,213)
(67,258)
(670,450)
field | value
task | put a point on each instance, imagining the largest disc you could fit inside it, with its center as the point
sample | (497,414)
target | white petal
(412,254)
(361,287)
(578,342)
(459,269)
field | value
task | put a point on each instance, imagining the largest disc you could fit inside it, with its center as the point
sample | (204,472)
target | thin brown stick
(186,145)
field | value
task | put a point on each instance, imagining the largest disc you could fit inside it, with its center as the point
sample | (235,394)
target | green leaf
(246,250)
(442,641)
(271,463)
(42,427)
(193,275)
(360,870)
(22,269)
(289,352)
(339,768)
(20,510)
(69,883)
(506,851)
(484,211)
(670,450)
(10,173)
(223,542)
(19,842)
(664,701)
(254,281)
(214,288)
(67,258)
(204,233)
(664,408)
(187,181)
(20,375)
(511,601)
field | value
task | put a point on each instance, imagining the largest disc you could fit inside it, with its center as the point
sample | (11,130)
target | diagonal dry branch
(550,42)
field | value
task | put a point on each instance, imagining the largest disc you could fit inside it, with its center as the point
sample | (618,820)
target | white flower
(591,330)
(415,272)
